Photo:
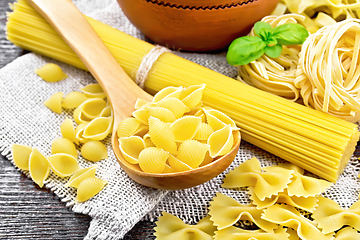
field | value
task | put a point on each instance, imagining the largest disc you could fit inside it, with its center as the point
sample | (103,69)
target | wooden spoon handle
(68,21)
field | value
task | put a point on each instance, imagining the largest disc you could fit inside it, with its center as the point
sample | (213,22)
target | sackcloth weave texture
(115,210)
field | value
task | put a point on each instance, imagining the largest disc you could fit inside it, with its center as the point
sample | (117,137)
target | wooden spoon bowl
(121,91)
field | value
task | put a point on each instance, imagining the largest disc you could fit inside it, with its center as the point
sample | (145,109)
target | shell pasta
(175,132)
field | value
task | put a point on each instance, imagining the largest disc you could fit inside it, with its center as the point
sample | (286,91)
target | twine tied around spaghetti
(147,63)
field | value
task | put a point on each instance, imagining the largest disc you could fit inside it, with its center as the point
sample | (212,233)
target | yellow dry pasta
(161,113)
(162,135)
(98,128)
(328,74)
(93,90)
(51,72)
(79,130)
(300,185)
(331,217)
(54,102)
(217,119)
(94,151)
(171,227)
(92,107)
(191,96)
(288,216)
(63,145)
(235,233)
(175,105)
(81,175)
(127,127)
(20,155)
(88,188)
(68,131)
(73,100)
(177,165)
(226,211)
(131,147)
(347,233)
(153,159)
(39,167)
(168,92)
(203,132)
(185,128)
(265,183)
(192,152)
(220,141)
(63,164)
(306,203)
(79,117)
(275,75)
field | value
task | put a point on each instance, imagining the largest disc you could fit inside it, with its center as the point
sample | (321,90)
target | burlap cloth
(122,203)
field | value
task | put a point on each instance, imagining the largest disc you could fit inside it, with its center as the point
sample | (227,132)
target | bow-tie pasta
(176,122)
(234,233)
(264,182)
(169,227)
(331,217)
(226,211)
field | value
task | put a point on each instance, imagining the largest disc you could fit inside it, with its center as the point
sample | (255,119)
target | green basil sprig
(267,40)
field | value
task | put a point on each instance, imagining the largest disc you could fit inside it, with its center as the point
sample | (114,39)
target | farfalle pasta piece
(92,107)
(73,100)
(54,102)
(176,106)
(63,145)
(347,233)
(98,128)
(288,216)
(63,164)
(306,203)
(220,141)
(185,128)
(192,95)
(235,233)
(217,119)
(250,174)
(93,90)
(68,131)
(81,175)
(331,217)
(39,167)
(50,72)
(21,154)
(131,147)
(88,188)
(169,227)
(153,159)
(94,151)
(162,135)
(167,93)
(226,211)
(303,186)
(192,152)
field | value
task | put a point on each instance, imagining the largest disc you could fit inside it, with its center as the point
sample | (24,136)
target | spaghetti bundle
(315,141)
(328,72)
(275,75)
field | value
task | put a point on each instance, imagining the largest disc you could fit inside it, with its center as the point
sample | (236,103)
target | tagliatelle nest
(328,73)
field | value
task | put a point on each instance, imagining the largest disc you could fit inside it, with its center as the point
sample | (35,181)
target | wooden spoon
(121,90)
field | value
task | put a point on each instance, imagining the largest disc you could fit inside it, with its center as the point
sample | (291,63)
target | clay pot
(195,25)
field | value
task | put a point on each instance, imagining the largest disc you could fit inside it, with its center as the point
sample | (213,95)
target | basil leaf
(290,33)
(260,26)
(245,49)
(273,51)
